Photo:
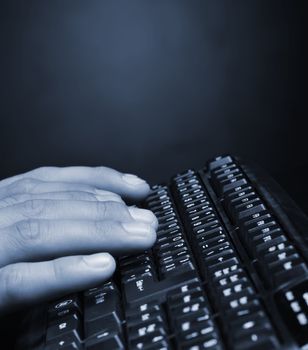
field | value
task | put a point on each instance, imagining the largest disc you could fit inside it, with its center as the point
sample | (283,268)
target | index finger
(126,185)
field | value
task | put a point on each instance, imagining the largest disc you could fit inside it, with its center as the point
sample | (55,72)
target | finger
(35,240)
(34,186)
(70,210)
(24,283)
(127,185)
(101,196)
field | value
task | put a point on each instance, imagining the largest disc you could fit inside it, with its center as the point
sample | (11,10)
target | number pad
(258,230)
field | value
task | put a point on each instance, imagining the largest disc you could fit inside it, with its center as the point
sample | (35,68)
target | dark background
(154,87)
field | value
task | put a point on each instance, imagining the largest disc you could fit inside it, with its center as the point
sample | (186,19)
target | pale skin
(61,227)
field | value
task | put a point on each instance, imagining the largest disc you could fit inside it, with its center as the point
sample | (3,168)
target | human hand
(51,217)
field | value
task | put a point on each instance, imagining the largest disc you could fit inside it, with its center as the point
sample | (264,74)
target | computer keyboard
(228,271)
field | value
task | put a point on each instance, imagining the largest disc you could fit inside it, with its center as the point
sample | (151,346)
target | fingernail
(98,260)
(137,228)
(133,179)
(143,215)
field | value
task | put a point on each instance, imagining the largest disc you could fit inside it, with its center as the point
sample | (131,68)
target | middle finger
(68,209)
(33,240)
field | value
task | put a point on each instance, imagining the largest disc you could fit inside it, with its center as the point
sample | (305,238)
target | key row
(192,319)
(147,327)
(258,229)
(232,290)
(171,249)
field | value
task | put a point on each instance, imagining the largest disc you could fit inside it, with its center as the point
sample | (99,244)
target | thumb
(27,283)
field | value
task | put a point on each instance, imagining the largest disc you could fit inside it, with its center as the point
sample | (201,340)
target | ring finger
(34,240)
(68,209)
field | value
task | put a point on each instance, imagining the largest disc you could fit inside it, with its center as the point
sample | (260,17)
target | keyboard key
(208,244)
(64,307)
(292,304)
(190,308)
(261,340)
(179,266)
(239,300)
(64,341)
(197,331)
(220,162)
(136,310)
(149,339)
(151,315)
(243,191)
(249,209)
(287,270)
(101,310)
(211,231)
(188,322)
(138,287)
(216,260)
(191,286)
(231,185)
(207,342)
(227,168)
(219,249)
(223,268)
(143,329)
(70,325)
(252,323)
(233,277)
(104,340)
(243,311)
(186,298)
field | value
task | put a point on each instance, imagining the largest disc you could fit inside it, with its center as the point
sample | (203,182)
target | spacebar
(146,289)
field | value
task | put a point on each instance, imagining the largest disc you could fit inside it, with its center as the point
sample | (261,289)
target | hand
(50,217)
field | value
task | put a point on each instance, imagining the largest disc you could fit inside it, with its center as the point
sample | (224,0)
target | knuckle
(110,208)
(34,207)
(8,201)
(85,196)
(17,198)
(105,209)
(43,169)
(98,227)
(101,209)
(26,185)
(120,208)
(57,270)
(102,170)
(12,280)
(14,199)
(102,228)
(28,232)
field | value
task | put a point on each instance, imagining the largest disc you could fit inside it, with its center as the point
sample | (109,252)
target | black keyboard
(228,271)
